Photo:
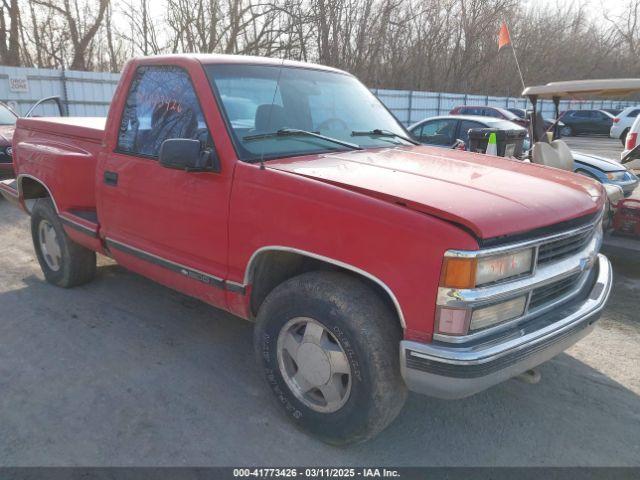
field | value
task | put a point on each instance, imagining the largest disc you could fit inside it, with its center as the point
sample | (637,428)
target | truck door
(167,224)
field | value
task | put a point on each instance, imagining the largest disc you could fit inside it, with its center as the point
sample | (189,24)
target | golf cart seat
(563,151)
(557,154)
(552,156)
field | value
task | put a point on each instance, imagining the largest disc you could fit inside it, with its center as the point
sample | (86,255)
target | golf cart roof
(585,88)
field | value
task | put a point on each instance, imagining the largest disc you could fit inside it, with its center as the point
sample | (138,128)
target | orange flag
(504,38)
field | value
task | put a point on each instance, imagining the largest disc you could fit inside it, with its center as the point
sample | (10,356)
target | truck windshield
(7,117)
(262,100)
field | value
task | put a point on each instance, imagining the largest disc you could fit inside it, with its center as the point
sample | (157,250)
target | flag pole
(513,49)
(504,40)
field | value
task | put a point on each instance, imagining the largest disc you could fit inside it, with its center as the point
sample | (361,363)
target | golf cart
(555,152)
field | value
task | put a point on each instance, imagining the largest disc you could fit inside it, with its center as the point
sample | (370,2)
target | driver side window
(161,104)
(438,132)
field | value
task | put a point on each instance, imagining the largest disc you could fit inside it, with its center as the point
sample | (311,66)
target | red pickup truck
(287,194)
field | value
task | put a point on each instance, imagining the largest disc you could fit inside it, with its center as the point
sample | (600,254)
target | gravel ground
(126,372)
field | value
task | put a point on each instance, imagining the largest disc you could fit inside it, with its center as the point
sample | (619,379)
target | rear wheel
(328,346)
(63,262)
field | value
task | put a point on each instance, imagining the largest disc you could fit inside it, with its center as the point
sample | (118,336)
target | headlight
(616,176)
(461,321)
(497,313)
(9,151)
(474,272)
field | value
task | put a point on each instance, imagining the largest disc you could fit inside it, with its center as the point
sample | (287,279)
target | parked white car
(622,123)
(632,137)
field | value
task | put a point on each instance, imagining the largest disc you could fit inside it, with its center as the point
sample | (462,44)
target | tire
(567,131)
(67,264)
(356,321)
(623,137)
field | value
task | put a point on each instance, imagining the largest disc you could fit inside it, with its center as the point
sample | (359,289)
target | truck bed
(88,128)
(60,153)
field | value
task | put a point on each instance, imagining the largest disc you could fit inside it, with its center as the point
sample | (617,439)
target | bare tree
(82,25)
(10,32)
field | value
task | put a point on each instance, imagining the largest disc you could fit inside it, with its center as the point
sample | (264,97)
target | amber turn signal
(459,272)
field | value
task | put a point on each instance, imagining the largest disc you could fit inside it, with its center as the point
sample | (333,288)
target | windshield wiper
(290,132)
(377,132)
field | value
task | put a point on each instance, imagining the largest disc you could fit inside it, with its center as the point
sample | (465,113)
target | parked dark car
(578,122)
(487,111)
(446,130)
(522,113)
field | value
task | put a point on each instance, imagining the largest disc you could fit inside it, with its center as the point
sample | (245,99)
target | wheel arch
(270,266)
(32,188)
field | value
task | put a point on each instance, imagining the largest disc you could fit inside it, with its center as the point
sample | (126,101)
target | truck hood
(491,196)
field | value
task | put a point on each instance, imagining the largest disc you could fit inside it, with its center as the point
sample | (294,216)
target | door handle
(111,178)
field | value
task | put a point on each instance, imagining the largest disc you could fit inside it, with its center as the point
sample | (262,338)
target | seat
(558,155)
(545,154)
(564,153)
(269,118)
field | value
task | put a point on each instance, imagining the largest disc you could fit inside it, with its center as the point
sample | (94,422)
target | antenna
(273,101)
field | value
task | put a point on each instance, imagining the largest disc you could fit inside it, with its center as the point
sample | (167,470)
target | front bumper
(456,371)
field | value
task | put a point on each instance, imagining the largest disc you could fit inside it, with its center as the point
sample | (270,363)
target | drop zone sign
(18,84)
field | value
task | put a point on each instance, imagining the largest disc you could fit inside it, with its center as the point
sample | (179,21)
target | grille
(4,158)
(559,249)
(549,293)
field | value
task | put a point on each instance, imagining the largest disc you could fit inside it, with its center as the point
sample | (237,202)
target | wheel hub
(49,245)
(314,365)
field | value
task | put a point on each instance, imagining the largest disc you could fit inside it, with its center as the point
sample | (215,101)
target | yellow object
(492,146)
(459,272)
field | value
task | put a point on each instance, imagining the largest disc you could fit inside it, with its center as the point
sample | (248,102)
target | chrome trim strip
(579,262)
(189,272)
(248,275)
(21,195)
(236,287)
(479,354)
(523,244)
(77,226)
(528,315)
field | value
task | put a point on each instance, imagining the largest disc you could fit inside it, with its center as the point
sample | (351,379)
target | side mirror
(187,154)
(459,145)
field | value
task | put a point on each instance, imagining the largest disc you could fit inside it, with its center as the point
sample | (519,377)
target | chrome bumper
(458,370)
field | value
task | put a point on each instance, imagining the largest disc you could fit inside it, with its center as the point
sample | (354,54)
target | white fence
(89,94)
(412,106)
(85,93)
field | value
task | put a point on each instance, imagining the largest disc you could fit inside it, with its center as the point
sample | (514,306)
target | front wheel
(63,262)
(329,350)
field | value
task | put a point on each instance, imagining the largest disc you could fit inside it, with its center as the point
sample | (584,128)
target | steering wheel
(326,125)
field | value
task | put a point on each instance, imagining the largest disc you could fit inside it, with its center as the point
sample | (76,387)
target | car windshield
(260,101)
(7,117)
